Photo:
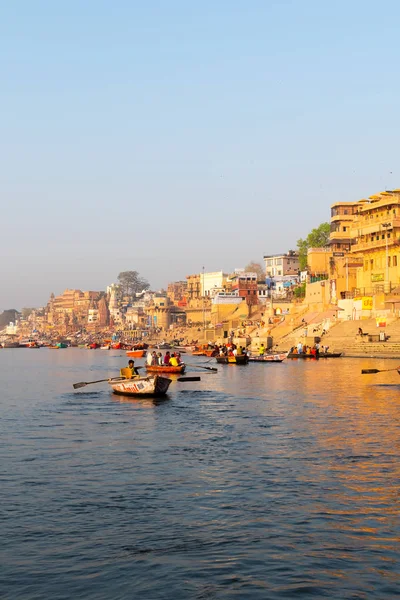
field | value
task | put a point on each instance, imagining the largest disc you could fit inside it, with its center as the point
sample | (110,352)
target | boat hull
(159,369)
(141,386)
(321,355)
(136,353)
(240,359)
(268,358)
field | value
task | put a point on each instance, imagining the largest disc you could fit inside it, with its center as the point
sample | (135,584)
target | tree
(317,238)
(26,312)
(7,316)
(255,267)
(131,283)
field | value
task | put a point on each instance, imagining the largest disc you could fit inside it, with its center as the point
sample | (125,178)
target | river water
(258,482)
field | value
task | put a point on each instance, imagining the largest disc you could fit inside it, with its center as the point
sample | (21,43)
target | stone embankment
(341,337)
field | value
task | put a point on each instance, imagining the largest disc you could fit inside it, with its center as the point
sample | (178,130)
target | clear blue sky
(164,136)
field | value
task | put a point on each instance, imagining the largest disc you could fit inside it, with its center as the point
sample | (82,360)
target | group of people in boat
(304,349)
(230,350)
(155,359)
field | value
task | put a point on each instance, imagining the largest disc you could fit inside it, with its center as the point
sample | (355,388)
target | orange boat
(136,353)
(165,369)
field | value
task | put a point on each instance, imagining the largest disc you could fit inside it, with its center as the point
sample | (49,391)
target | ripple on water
(256,483)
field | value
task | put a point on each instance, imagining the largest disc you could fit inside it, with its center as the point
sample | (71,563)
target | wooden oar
(187,379)
(201,367)
(81,384)
(368,371)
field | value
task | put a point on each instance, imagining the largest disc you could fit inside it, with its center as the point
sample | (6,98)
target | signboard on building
(367,303)
(377,277)
(338,254)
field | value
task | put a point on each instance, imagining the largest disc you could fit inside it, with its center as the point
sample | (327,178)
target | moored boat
(180,369)
(320,355)
(268,358)
(136,353)
(239,359)
(141,386)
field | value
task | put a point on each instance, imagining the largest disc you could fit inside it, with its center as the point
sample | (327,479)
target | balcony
(340,217)
(362,246)
(342,236)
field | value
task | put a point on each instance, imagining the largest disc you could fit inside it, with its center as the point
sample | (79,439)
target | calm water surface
(260,482)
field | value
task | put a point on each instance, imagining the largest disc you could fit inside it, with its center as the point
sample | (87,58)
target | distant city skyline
(164,139)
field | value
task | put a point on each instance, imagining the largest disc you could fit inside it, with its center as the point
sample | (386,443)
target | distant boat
(268,358)
(320,355)
(239,359)
(136,353)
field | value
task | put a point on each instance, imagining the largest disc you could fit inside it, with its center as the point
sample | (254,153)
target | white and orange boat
(142,386)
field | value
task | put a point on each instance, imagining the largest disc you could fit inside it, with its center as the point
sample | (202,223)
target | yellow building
(365,245)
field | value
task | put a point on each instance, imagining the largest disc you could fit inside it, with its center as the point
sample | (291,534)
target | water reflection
(265,481)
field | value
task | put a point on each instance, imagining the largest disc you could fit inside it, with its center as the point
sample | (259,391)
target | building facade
(282,264)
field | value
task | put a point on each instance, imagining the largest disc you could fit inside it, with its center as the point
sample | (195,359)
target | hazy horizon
(164,138)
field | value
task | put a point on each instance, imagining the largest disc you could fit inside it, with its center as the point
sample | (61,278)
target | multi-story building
(245,286)
(282,264)
(177,292)
(193,287)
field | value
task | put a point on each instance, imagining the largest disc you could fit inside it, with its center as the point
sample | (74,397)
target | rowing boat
(268,358)
(141,386)
(320,355)
(136,353)
(239,359)
(180,369)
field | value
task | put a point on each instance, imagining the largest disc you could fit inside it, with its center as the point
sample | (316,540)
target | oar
(200,367)
(368,371)
(188,379)
(81,384)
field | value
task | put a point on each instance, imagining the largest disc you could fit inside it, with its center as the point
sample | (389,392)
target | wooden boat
(268,358)
(239,359)
(136,353)
(94,346)
(199,353)
(166,369)
(141,386)
(105,347)
(321,355)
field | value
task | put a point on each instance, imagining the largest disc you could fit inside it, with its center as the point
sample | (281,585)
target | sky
(168,136)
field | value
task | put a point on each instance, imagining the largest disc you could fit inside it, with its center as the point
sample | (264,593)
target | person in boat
(178,358)
(299,348)
(262,350)
(317,347)
(173,361)
(149,358)
(131,366)
(167,358)
(360,331)
(160,359)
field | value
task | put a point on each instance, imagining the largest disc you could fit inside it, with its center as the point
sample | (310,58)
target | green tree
(317,238)
(26,312)
(255,267)
(131,283)
(7,316)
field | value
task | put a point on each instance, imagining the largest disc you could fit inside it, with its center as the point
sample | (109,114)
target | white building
(212,283)
(282,264)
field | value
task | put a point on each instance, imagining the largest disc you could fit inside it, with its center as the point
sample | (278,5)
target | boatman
(262,350)
(131,366)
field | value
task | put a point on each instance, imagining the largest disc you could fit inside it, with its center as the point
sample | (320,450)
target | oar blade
(79,385)
(188,379)
(368,371)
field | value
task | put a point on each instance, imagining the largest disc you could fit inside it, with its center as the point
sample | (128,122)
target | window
(344,228)
(395,261)
(371,262)
(388,262)
(365,265)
